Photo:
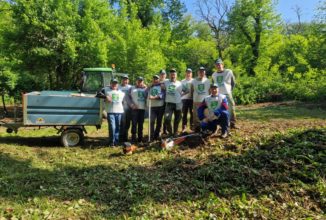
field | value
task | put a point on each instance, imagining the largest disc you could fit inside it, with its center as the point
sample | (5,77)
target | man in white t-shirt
(187,101)
(162,80)
(126,116)
(137,95)
(173,104)
(155,100)
(200,89)
(114,108)
(225,80)
(214,111)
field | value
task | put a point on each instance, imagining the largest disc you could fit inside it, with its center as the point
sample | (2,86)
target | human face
(162,76)
(201,73)
(156,80)
(125,81)
(219,67)
(188,74)
(140,83)
(173,76)
(114,86)
(214,91)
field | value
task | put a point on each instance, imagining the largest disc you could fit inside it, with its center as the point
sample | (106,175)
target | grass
(272,168)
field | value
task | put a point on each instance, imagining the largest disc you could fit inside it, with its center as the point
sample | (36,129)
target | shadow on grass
(292,159)
(294,111)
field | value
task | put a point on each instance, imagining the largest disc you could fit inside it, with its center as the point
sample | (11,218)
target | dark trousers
(125,125)
(156,121)
(114,127)
(223,121)
(137,122)
(187,107)
(170,109)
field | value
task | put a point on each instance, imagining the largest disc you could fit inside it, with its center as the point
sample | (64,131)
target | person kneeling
(213,111)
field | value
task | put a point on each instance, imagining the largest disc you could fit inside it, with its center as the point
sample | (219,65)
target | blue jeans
(114,120)
(223,121)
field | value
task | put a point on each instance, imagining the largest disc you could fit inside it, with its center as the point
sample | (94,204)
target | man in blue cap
(225,80)
(214,111)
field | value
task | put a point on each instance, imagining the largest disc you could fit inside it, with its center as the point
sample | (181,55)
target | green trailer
(67,111)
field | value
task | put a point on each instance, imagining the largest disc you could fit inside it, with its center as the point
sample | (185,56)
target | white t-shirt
(154,91)
(200,89)
(214,102)
(186,87)
(117,97)
(173,91)
(223,80)
(138,96)
(125,89)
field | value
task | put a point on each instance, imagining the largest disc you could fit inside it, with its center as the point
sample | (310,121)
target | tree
(214,13)
(249,20)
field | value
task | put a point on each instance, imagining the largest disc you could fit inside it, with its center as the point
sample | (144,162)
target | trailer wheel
(72,137)
(9,130)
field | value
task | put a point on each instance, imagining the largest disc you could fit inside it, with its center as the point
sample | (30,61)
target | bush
(310,86)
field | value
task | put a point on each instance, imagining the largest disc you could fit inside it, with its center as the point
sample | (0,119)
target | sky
(284,8)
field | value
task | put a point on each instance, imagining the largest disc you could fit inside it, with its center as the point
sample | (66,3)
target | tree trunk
(4,104)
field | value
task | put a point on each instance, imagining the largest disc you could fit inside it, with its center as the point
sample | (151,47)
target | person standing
(163,79)
(173,104)
(126,116)
(114,108)
(214,111)
(225,80)
(187,101)
(200,89)
(137,97)
(155,99)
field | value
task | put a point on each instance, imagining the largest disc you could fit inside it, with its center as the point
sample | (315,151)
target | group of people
(207,103)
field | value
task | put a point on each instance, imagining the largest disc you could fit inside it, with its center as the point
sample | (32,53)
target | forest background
(46,44)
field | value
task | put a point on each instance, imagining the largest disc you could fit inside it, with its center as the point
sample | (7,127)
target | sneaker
(224,135)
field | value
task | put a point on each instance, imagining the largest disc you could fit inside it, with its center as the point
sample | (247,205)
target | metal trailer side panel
(47,110)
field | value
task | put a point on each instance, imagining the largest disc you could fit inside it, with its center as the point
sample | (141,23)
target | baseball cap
(188,70)
(140,78)
(114,81)
(125,76)
(219,61)
(201,68)
(162,71)
(173,70)
(214,85)
(156,77)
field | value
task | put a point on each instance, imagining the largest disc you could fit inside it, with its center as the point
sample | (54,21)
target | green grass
(273,168)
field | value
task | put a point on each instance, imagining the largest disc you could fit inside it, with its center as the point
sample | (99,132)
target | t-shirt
(200,89)
(155,90)
(223,80)
(117,97)
(138,96)
(125,89)
(186,88)
(214,102)
(173,91)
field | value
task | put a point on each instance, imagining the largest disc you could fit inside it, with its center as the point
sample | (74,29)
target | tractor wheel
(72,137)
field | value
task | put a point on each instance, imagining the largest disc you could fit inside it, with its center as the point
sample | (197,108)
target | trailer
(67,111)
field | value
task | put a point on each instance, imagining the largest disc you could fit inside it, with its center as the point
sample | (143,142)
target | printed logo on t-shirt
(141,95)
(213,105)
(154,92)
(219,80)
(115,97)
(201,88)
(171,89)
